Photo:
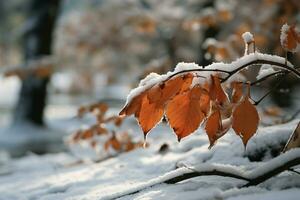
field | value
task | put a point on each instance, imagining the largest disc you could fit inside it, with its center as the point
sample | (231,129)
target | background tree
(37,43)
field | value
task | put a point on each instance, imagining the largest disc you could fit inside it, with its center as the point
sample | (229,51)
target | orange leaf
(212,126)
(114,143)
(237,92)
(216,127)
(149,115)
(166,90)
(204,101)
(184,112)
(216,91)
(245,120)
(133,106)
(289,38)
(86,134)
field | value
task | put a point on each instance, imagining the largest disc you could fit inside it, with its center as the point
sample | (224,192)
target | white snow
(284,29)
(60,176)
(154,78)
(247,37)
(185,66)
(265,70)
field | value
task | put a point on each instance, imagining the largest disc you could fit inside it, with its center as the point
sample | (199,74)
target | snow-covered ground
(60,176)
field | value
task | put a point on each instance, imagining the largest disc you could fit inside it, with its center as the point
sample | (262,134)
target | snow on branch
(226,70)
(253,177)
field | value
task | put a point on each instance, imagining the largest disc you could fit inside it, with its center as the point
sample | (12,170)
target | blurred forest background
(101,48)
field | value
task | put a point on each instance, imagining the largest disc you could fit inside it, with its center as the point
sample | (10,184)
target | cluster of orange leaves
(122,143)
(187,107)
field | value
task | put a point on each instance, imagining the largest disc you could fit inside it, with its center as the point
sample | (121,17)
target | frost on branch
(248,40)
(248,37)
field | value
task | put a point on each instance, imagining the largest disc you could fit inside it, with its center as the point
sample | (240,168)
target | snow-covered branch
(243,62)
(254,177)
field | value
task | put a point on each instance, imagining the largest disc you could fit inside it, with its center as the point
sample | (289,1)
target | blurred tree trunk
(209,32)
(36,43)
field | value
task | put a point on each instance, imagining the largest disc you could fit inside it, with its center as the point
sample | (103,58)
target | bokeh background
(98,50)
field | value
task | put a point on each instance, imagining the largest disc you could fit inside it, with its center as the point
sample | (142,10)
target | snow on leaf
(184,112)
(248,37)
(166,90)
(133,106)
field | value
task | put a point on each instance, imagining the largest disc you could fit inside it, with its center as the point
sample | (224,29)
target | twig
(270,91)
(268,76)
(293,170)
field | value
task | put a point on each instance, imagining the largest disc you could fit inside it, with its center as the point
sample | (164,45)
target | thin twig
(269,92)
(268,76)
(293,170)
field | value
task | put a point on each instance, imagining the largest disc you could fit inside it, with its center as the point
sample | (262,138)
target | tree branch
(233,173)
(243,62)
(262,173)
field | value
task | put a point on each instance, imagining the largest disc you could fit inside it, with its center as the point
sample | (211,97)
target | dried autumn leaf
(289,38)
(216,91)
(204,101)
(133,106)
(237,92)
(245,119)
(212,126)
(86,134)
(118,120)
(114,143)
(184,112)
(164,91)
(224,15)
(81,111)
(76,136)
(149,114)
(216,127)
(129,146)
(100,130)
(272,111)
(99,107)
